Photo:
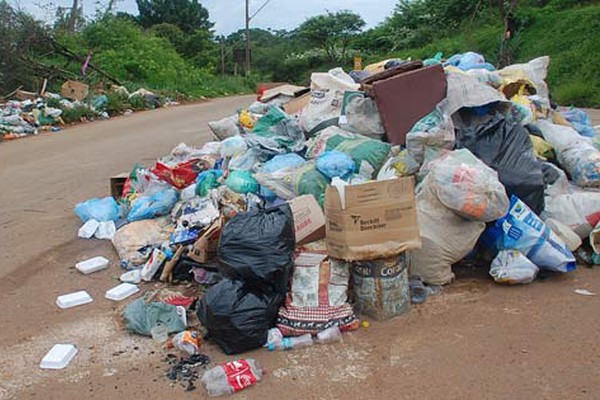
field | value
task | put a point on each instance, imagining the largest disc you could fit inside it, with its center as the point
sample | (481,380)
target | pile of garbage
(319,205)
(31,113)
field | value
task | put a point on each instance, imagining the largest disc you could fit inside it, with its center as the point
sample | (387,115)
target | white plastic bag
(435,130)
(467,186)
(580,210)
(334,80)
(323,110)
(511,267)
(535,71)
(106,230)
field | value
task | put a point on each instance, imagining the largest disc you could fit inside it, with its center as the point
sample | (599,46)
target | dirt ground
(475,340)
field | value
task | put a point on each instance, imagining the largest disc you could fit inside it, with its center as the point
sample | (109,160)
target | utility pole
(73,17)
(222,56)
(247,37)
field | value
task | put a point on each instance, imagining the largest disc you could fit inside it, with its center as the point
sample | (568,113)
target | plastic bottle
(157,259)
(291,343)
(231,377)
(329,335)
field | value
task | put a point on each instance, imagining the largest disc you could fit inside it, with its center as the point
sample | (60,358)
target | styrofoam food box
(59,356)
(121,292)
(73,299)
(92,265)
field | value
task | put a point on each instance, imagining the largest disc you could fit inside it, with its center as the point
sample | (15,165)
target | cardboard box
(74,90)
(309,220)
(378,220)
(406,98)
(297,104)
(117,183)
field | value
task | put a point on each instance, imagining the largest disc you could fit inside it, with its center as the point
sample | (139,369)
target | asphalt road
(475,340)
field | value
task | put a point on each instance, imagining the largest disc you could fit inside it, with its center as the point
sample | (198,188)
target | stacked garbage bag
(310,210)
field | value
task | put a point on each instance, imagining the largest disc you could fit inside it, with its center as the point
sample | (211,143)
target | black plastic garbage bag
(507,149)
(257,247)
(238,317)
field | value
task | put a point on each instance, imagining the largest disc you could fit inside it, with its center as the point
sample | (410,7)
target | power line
(260,9)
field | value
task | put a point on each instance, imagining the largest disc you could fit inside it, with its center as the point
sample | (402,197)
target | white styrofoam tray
(59,356)
(121,292)
(92,265)
(73,299)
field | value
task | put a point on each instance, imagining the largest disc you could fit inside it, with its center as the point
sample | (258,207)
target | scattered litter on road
(73,299)
(584,292)
(59,356)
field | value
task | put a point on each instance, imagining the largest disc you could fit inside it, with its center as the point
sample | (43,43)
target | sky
(228,15)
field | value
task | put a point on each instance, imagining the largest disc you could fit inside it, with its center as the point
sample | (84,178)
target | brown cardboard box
(117,183)
(406,98)
(378,220)
(74,90)
(309,220)
(296,105)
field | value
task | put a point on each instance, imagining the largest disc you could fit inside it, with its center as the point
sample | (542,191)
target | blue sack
(156,205)
(334,164)
(102,210)
(522,230)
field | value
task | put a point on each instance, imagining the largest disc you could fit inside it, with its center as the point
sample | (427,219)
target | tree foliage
(332,32)
(188,15)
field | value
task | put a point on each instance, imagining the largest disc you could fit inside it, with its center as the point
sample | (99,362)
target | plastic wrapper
(156,205)
(508,150)
(369,155)
(468,187)
(522,230)
(238,317)
(289,183)
(179,175)
(188,341)
(511,267)
(334,164)
(105,209)
(242,182)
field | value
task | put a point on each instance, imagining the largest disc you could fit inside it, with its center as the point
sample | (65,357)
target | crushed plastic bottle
(329,335)
(292,343)
(231,377)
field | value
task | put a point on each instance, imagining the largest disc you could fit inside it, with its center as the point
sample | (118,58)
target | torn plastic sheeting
(141,317)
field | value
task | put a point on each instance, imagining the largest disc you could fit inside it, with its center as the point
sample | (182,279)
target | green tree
(170,32)
(188,15)
(332,32)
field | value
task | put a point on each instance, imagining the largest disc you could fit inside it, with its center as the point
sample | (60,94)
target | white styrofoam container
(92,265)
(121,292)
(59,356)
(73,299)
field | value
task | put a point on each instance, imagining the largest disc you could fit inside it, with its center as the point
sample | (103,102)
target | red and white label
(239,374)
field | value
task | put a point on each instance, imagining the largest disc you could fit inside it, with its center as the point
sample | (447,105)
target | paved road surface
(476,340)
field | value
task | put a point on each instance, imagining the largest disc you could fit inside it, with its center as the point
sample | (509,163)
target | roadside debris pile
(32,113)
(320,205)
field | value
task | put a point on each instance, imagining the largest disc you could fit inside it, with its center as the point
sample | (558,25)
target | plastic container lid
(121,292)
(92,265)
(59,356)
(73,299)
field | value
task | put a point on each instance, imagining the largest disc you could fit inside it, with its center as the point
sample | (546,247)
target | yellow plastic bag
(542,148)
(246,119)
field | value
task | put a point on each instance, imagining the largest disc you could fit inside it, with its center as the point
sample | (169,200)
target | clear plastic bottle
(231,377)
(289,343)
(329,335)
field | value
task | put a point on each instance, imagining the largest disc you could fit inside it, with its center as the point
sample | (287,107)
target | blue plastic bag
(336,164)
(242,182)
(207,180)
(102,210)
(156,205)
(277,163)
(520,229)
(580,121)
